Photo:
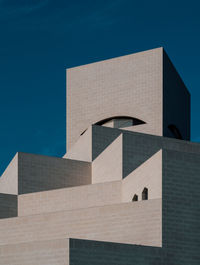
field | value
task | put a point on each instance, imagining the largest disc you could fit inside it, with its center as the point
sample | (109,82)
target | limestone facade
(127,190)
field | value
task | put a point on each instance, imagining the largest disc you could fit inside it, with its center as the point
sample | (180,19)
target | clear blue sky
(39,39)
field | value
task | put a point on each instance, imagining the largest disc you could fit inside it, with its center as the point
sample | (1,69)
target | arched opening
(145,194)
(120,122)
(135,198)
(175,131)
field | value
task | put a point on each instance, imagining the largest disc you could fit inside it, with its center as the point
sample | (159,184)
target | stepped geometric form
(127,190)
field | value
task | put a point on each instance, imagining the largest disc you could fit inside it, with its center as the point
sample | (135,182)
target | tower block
(127,190)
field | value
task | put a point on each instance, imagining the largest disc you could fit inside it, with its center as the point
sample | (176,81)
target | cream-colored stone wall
(82,149)
(135,223)
(52,252)
(28,173)
(8,205)
(108,165)
(40,173)
(9,179)
(102,175)
(125,86)
(70,198)
(148,175)
(141,128)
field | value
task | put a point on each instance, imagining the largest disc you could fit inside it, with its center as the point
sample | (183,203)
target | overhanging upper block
(139,92)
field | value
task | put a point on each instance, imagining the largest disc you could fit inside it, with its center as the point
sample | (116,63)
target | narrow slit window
(135,198)
(145,194)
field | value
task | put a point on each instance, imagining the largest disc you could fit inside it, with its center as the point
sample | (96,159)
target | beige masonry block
(9,179)
(108,165)
(53,252)
(141,128)
(134,223)
(125,86)
(8,205)
(40,173)
(148,175)
(70,198)
(82,149)
(28,173)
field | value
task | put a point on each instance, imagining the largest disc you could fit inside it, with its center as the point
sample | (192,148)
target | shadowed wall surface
(96,191)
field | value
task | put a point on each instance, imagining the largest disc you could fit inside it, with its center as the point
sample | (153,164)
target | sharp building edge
(127,190)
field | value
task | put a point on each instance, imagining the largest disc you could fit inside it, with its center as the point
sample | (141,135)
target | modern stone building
(128,189)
